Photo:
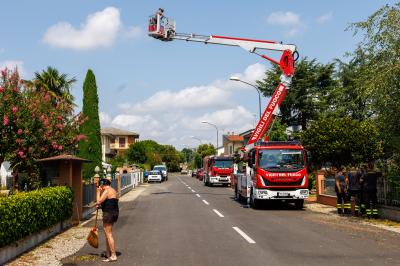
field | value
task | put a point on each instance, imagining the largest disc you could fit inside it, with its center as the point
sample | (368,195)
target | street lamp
(196,138)
(234,78)
(205,122)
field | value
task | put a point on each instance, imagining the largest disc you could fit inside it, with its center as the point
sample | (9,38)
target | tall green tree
(91,147)
(342,141)
(381,76)
(57,84)
(305,99)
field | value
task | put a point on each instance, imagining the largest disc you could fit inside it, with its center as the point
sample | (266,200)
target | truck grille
(276,184)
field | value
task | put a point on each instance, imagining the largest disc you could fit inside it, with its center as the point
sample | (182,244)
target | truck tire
(254,203)
(299,204)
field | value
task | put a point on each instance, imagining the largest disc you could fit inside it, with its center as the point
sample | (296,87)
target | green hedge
(29,212)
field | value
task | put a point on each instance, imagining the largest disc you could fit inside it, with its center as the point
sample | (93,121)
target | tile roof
(234,138)
(63,157)
(117,132)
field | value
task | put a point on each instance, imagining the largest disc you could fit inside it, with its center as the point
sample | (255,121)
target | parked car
(184,171)
(163,170)
(154,176)
(200,174)
(194,173)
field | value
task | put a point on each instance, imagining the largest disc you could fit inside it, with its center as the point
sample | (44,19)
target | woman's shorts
(110,217)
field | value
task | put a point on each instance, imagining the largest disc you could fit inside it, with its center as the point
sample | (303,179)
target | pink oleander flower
(59,117)
(59,126)
(21,154)
(15,89)
(60,148)
(47,97)
(5,120)
(14,109)
(2,89)
(20,131)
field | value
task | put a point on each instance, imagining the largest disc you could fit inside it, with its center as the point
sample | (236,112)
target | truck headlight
(304,192)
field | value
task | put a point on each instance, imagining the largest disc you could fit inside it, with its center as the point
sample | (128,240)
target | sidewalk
(67,243)
(331,211)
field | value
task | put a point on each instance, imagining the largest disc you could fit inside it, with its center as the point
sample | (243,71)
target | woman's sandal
(109,260)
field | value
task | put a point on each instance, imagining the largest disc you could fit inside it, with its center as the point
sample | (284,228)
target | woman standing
(109,205)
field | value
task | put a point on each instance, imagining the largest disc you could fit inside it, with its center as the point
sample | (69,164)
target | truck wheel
(255,203)
(236,194)
(299,204)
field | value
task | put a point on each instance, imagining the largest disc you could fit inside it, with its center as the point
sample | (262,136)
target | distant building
(116,141)
(231,143)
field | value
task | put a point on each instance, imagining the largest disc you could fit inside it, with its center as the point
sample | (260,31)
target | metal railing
(388,192)
(88,194)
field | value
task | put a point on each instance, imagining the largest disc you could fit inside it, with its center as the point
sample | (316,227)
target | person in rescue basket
(369,192)
(355,190)
(340,189)
(109,205)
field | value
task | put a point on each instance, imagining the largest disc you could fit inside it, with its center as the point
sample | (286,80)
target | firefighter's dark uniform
(369,194)
(355,190)
(341,196)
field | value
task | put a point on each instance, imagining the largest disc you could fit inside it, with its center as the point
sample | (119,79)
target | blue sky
(164,90)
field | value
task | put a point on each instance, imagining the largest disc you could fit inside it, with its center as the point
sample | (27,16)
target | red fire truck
(218,170)
(275,170)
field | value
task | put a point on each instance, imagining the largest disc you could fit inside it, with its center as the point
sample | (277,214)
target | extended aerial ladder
(164,29)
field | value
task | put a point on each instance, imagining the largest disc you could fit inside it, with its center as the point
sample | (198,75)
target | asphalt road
(182,222)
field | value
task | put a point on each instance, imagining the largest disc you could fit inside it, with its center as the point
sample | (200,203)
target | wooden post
(119,183)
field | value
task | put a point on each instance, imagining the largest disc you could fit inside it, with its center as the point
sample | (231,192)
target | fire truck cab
(275,170)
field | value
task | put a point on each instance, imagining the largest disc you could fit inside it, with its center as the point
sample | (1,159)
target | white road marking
(206,202)
(218,213)
(189,188)
(193,191)
(243,234)
(198,195)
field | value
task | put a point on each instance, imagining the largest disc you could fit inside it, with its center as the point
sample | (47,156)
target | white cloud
(289,20)
(173,116)
(99,30)
(325,18)
(11,64)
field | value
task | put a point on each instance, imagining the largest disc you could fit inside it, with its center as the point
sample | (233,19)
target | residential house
(116,141)
(231,143)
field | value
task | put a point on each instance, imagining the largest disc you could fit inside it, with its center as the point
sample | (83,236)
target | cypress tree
(90,148)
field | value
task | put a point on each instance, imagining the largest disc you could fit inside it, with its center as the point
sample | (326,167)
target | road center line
(193,191)
(218,213)
(243,234)
(189,188)
(198,195)
(206,202)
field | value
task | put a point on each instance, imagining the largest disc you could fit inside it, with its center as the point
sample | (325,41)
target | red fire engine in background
(218,170)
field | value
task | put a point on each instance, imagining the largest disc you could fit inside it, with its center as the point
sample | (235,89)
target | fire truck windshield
(223,163)
(281,160)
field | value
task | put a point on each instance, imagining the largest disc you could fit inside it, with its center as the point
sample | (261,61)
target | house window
(112,140)
(122,142)
(230,150)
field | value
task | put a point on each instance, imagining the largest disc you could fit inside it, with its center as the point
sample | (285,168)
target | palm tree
(51,80)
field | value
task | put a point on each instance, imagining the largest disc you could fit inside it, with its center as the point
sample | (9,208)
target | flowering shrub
(34,123)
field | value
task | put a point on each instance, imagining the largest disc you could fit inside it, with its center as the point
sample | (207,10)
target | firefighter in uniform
(369,193)
(355,190)
(341,190)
